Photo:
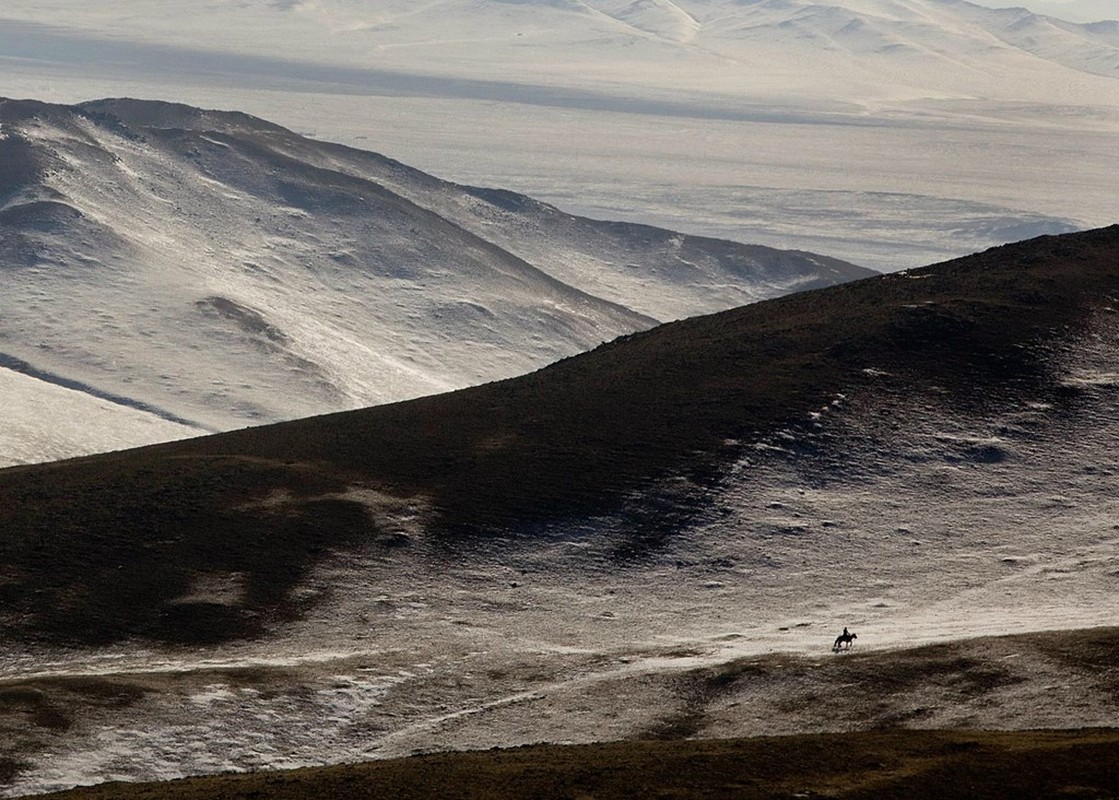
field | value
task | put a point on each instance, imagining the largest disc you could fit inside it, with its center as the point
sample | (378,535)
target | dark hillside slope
(106,547)
(855,766)
(686,396)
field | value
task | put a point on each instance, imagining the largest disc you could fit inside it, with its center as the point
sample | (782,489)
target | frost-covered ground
(940,525)
(889,133)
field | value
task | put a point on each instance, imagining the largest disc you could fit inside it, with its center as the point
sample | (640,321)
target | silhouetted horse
(844,640)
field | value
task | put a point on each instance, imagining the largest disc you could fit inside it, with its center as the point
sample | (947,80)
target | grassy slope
(99,549)
(596,425)
(901,764)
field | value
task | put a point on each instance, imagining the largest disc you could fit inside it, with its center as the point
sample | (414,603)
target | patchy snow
(77,423)
(948,527)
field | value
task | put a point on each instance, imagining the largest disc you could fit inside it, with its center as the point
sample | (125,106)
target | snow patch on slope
(79,424)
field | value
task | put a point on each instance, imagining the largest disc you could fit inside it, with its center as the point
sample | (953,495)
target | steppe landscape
(329,475)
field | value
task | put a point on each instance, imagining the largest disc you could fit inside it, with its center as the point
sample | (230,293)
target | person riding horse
(844,639)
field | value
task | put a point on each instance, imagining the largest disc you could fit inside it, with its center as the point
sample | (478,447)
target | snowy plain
(891,133)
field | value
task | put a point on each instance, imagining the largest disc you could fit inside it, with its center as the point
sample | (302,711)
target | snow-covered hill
(211,270)
(45,421)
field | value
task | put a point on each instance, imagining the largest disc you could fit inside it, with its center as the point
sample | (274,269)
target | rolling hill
(658,538)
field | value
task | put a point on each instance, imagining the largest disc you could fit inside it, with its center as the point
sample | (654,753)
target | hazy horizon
(856,134)
(1071,10)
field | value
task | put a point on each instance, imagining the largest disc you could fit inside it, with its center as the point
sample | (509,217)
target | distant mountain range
(192,271)
(393,37)
(892,133)
(943,44)
(1077,10)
